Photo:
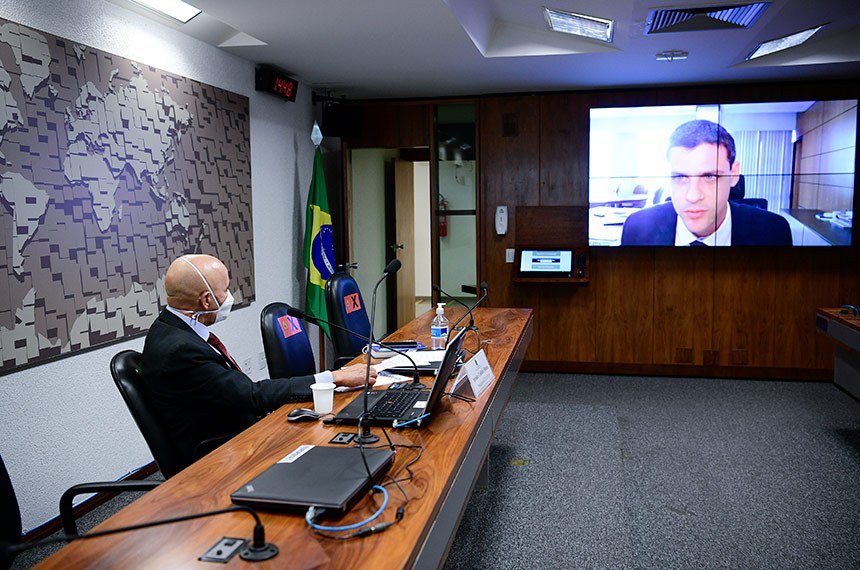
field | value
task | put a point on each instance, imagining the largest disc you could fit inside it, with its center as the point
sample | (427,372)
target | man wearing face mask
(196,387)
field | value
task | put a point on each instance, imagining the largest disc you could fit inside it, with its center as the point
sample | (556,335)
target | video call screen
(754,174)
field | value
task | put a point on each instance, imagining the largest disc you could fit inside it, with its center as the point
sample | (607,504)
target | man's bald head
(186,290)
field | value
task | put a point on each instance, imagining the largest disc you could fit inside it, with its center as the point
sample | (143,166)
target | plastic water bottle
(439,328)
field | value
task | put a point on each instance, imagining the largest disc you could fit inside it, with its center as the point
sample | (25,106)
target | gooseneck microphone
(485,289)
(364,436)
(458,301)
(299,314)
(257,550)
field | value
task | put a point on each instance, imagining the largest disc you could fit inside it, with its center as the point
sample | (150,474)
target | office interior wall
(740,312)
(367,227)
(423,217)
(64,422)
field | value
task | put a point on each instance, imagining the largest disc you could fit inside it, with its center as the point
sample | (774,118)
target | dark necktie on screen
(219,346)
(698,243)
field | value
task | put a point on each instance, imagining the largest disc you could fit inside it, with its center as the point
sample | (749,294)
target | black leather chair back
(125,369)
(286,343)
(346,308)
(10,514)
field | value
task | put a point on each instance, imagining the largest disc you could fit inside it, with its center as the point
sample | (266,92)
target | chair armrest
(66,508)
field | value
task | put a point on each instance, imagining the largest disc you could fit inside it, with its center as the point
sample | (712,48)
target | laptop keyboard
(393,404)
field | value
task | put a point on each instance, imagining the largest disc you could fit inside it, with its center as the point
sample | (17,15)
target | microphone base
(415,386)
(365,438)
(256,554)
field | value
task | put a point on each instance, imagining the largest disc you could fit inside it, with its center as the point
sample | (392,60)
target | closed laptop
(333,478)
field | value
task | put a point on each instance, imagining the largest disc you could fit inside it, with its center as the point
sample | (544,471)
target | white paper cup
(323,397)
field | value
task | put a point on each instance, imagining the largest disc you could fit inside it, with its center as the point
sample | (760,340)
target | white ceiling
(430,48)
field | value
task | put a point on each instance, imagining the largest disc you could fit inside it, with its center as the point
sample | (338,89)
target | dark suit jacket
(750,226)
(197,394)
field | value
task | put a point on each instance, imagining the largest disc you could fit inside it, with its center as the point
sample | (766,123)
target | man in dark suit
(197,389)
(703,170)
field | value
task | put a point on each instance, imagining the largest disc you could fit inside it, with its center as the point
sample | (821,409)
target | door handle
(396,246)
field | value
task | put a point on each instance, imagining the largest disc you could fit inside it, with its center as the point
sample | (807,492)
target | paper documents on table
(421,358)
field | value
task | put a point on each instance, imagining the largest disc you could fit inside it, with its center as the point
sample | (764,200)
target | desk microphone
(485,289)
(298,314)
(456,300)
(364,436)
(257,550)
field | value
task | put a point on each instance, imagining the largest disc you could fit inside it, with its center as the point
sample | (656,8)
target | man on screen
(704,168)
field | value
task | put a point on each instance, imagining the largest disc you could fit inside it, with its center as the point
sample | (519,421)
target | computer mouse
(302,415)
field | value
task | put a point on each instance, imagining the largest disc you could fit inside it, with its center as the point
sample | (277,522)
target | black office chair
(10,513)
(346,308)
(10,516)
(125,369)
(286,343)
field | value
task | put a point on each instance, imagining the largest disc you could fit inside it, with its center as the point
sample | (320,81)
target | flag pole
(318,243)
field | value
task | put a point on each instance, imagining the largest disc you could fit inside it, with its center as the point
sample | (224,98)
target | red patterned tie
(216,342)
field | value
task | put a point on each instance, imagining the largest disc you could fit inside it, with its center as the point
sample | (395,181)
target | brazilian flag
(319,244)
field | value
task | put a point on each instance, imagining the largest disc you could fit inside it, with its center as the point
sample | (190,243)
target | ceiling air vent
(737,16)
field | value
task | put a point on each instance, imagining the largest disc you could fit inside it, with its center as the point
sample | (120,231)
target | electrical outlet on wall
(509,255)
(246,366)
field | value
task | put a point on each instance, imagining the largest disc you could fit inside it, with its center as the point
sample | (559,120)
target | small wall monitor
(545,263)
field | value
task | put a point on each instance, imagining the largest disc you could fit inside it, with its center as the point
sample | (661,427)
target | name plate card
(474,377)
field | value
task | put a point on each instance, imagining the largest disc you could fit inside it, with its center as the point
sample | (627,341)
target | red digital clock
(272,81)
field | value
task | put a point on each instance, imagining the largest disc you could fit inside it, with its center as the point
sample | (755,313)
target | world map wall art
(109,169)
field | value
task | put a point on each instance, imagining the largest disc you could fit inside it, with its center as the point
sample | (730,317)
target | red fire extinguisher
(443,219)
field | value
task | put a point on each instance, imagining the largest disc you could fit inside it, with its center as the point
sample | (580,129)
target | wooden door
(404,197)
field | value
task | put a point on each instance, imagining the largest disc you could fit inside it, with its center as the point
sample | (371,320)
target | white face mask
(223,310)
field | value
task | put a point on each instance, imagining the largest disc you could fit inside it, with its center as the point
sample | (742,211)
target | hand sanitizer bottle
(439,328)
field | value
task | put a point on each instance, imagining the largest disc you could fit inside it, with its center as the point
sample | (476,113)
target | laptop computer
(398,407)
(332,478)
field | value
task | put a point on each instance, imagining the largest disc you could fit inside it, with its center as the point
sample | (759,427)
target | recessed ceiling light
(579,24)
(780,44)
(176,9)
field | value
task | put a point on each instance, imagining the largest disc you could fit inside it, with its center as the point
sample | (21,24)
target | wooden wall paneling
(508,148)
(747,293)
(568,324)
(808,279)
(622,283)
(683,305)
(380,128)
(565,311)
(395,125)
(556,226)
(414,123)
(564,150)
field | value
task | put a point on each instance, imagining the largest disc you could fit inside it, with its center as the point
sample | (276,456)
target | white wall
(64,422)
(367,227)
(423,219)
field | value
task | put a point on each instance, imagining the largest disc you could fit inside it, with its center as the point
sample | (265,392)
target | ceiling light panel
(579,24)
(783,43)
(176,9)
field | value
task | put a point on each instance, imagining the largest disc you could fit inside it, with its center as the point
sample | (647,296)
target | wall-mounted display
(742,174)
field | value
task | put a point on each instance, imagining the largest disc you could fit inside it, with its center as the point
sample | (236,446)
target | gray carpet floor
(623,472)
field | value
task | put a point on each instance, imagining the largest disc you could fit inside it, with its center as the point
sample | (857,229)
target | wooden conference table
(455,444)
(844,328)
